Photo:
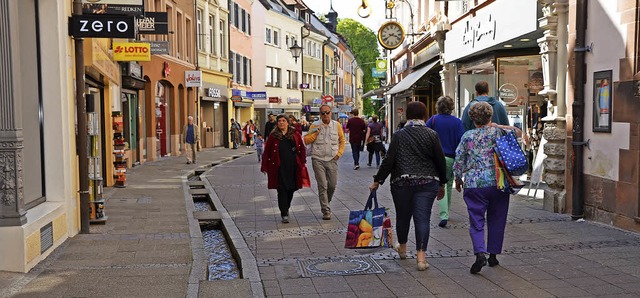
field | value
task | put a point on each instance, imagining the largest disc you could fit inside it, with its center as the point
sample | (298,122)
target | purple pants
(495,204)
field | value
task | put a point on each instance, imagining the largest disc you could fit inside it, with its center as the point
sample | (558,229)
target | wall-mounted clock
(391,35)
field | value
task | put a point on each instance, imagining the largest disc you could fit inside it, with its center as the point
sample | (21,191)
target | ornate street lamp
(296,51)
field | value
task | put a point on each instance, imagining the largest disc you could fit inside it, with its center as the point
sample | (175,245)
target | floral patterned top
(474,157)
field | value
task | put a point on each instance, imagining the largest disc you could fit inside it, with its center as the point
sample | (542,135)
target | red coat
(271,162)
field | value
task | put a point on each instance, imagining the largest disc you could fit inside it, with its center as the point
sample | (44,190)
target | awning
(379,92)
(412,78)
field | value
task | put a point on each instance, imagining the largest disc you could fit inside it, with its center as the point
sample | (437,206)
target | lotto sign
(131,51)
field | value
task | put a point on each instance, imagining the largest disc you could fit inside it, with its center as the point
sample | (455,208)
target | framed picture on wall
(602,101)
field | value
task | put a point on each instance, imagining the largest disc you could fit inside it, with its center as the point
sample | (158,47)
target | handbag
(371,139)
(510,154)
(365,229)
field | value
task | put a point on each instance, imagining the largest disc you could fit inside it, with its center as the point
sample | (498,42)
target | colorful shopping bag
(365,228)
(504,181)
(510,154)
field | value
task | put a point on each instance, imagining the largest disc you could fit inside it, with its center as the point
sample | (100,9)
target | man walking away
(499,112)
(327,145)
(235,133)
(356,127)
(269,126)
(191,133)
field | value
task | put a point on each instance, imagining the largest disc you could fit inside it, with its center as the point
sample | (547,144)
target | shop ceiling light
(508,46)
(525,39)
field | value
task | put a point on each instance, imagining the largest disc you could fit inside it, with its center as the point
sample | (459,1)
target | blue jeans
(355,150)
(416,202)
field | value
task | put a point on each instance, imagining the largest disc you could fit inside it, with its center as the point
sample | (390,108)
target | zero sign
(107,26)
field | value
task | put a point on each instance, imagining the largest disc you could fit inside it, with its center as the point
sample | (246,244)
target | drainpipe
(577,210)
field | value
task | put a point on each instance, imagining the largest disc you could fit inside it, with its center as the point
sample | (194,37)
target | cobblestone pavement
(143,250)
(545,254)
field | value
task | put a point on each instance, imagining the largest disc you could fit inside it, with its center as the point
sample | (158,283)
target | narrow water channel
(222,265)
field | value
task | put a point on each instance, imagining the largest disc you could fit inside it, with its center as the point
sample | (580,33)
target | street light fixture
(296,50)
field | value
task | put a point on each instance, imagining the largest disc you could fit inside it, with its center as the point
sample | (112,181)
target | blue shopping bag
(510,154)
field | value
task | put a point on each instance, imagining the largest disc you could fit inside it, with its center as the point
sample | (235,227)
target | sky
(349,9)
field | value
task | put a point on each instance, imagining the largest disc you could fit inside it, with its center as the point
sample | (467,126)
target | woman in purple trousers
(475,163)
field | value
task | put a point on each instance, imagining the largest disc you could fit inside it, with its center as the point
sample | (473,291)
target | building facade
(240,59)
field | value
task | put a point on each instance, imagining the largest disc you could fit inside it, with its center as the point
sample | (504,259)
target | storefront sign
(166,70)
(381,65)
(293,100)
(193,78)
(491,26)
(304,86)
(317,101)
(339,98)
(257,95)
(378,74)
(274,99)
(307,108)
(131,51)
(159,47)
(241,93)
(131,69)
(508,93)
(236,98)
(106,26)
(212,92)
(327,98)
(153,23)
(113,7)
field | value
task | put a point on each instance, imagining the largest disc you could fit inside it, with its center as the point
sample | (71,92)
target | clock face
(391,35)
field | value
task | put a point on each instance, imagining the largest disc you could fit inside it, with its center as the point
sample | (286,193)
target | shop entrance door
(130,111)
(162,121)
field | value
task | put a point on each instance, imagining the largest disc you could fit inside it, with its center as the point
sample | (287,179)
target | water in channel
(222,265)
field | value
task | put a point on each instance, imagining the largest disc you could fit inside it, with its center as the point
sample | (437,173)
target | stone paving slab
(545,254)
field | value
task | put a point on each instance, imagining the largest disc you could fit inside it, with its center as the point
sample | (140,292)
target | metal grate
(46,237)
(339,266)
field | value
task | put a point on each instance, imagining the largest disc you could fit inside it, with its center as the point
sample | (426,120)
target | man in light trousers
(191,135)
(327,145)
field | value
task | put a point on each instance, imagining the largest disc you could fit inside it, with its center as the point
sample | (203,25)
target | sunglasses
(325,113)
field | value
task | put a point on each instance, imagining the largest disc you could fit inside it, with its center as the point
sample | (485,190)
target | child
(259,147)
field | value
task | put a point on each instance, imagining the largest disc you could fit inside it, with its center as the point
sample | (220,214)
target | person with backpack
(482,95)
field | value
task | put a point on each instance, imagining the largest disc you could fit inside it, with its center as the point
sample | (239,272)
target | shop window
(32,122)
(200,32)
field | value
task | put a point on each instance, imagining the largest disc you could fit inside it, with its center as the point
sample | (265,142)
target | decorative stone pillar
(554,123)
(12,211)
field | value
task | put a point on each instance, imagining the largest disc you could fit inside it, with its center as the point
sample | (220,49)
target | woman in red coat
(283,161)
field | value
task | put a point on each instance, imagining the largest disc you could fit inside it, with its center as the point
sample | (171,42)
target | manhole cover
(339,266)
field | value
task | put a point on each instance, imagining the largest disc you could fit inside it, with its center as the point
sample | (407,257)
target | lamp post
(296,51)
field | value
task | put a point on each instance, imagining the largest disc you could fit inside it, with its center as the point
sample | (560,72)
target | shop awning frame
(412,78)
(378,91)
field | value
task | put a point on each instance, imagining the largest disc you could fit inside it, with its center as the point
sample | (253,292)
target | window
(230,12)
(231,66)
(179,34)
(212,36)
(249,71)
(238,69)
(189,42)
(236,18)
(286,41)
(223,42)
(248,24)
(319,51)
(326,62)
(244,20)
(273,76)
(200,30)
(267,35)
(245,75)
(292,82)
(276,36)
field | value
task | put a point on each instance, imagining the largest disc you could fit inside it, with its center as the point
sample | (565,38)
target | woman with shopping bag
(416,163)
(284,162)
(476,163)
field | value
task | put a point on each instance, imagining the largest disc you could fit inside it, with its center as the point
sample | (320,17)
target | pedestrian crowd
(424,159)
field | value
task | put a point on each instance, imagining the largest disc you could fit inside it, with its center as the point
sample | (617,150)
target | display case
(120,156)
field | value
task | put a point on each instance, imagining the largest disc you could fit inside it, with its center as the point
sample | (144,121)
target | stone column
(554,71)
(12,211)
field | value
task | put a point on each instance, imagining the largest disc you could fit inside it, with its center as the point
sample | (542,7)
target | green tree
(364,45)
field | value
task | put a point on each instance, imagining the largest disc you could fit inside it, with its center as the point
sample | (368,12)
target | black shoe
(493,261)
(481,261)
(443,223)
(368,164)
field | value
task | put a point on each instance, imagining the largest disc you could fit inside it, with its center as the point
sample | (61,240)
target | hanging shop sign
(131,51)
(304,86)
(377,73)
(102,26)
(339,98)
(381,65)
(327,98)
(236,98)
(490,26)
(293,100)
(193,78)
(159,47)
(153,23)
(113,7)
(317,101)
(274,99)
(166,69)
